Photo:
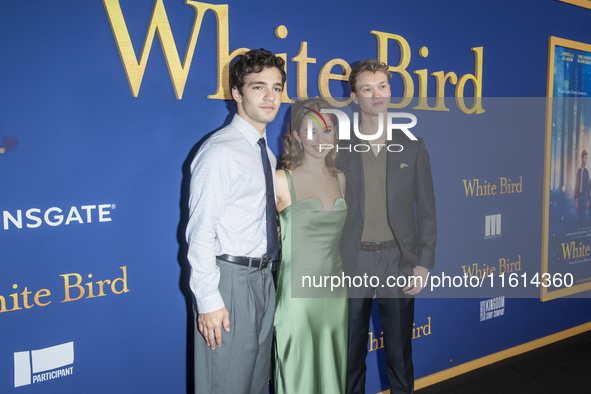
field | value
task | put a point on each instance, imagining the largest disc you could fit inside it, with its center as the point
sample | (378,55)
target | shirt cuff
(210,303)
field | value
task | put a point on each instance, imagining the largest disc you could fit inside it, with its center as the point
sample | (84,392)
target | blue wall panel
(85,141)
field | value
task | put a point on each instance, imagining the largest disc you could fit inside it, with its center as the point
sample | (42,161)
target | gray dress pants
(241,364)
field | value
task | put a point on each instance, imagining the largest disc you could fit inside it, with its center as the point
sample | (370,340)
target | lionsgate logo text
(56,216)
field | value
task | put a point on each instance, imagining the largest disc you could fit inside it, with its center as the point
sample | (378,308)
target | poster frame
(553,42)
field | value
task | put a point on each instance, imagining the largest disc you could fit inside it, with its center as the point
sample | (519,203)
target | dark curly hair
(294,152)
(253,62)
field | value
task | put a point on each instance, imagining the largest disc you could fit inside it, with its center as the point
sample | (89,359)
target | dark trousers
(397,315)
(582,210)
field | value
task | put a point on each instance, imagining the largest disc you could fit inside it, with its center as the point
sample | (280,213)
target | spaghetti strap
(290,186)
(339,183)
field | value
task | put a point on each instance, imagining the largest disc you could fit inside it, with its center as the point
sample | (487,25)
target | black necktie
(272,237)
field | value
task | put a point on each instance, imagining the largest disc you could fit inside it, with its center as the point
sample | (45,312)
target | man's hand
(210,326)
(416,285)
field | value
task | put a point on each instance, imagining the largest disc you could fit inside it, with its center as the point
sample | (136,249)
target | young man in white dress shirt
(232,235)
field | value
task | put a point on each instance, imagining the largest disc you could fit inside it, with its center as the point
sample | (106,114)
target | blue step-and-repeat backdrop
(103,105)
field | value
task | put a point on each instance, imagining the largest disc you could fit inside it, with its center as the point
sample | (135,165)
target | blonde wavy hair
(293,157)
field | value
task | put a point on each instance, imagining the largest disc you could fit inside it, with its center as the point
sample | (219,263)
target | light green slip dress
(311,333)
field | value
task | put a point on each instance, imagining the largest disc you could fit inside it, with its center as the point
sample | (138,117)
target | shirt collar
(247,130)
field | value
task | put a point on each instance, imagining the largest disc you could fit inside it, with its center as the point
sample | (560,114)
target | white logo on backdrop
(55,216)
(41,365)
(494,307)
(492,226)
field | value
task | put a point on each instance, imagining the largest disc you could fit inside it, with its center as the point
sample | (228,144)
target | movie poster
(566,258)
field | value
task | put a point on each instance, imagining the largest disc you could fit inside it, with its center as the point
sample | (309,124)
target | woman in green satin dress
(311,317)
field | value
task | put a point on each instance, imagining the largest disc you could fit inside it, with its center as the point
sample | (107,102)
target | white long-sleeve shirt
(227,206)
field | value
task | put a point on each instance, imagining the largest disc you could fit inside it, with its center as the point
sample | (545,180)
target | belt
(378,246)
(260,263)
